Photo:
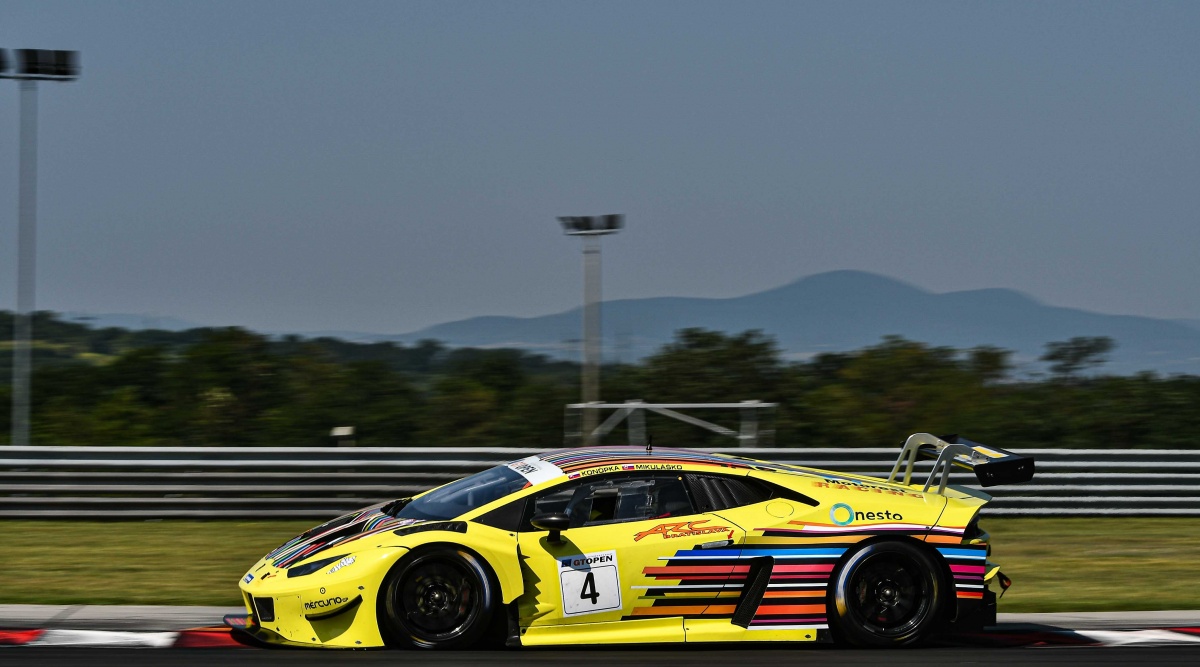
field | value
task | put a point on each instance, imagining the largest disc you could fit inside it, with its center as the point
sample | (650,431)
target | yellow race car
(616,545)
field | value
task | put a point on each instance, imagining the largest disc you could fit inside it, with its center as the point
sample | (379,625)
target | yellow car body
(632,547)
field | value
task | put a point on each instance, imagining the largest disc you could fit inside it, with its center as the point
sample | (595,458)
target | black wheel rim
(439,599)
(889,595)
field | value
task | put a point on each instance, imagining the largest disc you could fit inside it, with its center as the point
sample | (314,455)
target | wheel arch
(948,607)
(909,539)
(416,551)
(496,549)
(949,602)
(420,549)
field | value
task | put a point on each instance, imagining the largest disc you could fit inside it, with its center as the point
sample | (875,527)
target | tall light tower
(591,228)
(33,65)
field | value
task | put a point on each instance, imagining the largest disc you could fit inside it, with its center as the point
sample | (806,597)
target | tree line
(230,386)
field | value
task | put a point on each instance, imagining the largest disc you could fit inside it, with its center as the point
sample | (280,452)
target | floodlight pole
(591,228)
(26,266)
(35,65)
(590,373)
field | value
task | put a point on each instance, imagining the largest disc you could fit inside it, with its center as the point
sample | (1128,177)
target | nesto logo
(844,515)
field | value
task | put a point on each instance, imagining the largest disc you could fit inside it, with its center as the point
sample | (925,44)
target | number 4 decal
(591,583)
(589,588)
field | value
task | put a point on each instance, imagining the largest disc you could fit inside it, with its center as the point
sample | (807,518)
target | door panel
(654,568)
(635,550)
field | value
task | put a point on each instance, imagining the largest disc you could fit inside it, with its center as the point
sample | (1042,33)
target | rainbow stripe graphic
(968,564)
(341,530)
(710,583)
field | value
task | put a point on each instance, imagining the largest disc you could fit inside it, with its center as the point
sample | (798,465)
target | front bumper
(247,631)
(319,609)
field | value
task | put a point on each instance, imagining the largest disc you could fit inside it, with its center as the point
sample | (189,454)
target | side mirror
(555,523)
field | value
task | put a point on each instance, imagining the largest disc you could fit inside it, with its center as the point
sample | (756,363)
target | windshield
(468,493)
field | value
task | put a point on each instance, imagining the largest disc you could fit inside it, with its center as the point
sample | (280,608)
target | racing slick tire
(886,594)
(438,597)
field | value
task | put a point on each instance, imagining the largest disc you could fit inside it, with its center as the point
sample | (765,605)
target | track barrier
(317,483)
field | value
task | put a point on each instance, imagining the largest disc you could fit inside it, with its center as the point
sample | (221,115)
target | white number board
(535,470)
(590,583)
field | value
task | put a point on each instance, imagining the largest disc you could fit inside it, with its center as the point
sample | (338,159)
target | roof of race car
(571,460)
(560,462)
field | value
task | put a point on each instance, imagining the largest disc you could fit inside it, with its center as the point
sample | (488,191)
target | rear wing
(991,465)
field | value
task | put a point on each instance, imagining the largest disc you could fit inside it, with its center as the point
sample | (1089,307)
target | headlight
(345,562)
(313,566)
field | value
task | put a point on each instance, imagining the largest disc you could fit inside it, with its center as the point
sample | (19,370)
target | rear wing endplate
(991,465)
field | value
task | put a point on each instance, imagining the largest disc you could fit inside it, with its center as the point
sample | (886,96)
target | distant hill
(828,312)
(1192,324)
(841,311)
(129,321)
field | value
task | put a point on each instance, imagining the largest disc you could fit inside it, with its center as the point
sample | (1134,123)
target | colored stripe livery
(968,566)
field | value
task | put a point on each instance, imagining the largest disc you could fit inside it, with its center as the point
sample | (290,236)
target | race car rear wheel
(885,594)
(437,597)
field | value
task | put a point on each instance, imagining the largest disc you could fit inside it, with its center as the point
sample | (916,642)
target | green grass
(1055,564)
(1101,564)
(158,562)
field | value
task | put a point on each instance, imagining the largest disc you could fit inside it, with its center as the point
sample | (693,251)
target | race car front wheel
(885,594)
(438,598)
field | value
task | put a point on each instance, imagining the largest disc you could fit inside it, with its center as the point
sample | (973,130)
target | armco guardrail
(293,482)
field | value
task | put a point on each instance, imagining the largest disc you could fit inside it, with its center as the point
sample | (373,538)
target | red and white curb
(1142,637)
(1058,637)
(197,638)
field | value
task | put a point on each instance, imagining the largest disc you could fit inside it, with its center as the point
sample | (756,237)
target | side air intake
(753,590)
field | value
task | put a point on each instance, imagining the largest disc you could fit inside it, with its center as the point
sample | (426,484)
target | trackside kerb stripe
(18,637)
(214,638)
(105,638)
(199,638)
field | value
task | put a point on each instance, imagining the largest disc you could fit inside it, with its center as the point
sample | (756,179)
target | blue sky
(384,166)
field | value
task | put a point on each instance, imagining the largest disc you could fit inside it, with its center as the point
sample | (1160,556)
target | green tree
(223,384)
(701,366)
(460,412)
(1069,358)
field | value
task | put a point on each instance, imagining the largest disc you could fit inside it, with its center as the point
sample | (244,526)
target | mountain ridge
(842,311)
(834,311)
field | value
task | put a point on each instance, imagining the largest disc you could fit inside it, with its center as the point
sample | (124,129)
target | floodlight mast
(34,65)
(591,228)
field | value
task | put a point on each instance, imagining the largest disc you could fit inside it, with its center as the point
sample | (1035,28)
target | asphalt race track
(1166,655)
(1107,638)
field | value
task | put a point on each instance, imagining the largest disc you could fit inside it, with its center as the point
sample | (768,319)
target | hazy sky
(383,166)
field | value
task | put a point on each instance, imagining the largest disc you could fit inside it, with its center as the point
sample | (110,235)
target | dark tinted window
(717,492)
(614,499)
(468,493)
(505,517)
